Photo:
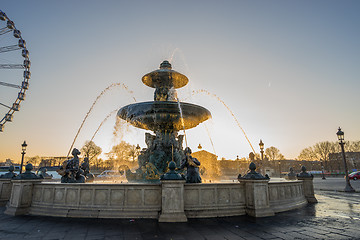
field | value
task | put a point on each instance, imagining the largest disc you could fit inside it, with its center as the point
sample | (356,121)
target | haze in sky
(288,70)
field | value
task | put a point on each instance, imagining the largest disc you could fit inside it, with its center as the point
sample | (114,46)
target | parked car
(109,174)
(354,175)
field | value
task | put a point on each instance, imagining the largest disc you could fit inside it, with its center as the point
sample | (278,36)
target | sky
(287,70)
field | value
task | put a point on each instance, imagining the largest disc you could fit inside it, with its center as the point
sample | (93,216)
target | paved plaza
(336,216)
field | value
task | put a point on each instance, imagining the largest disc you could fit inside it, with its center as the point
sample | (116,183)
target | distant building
(211,168)
(51,161)
(336,162)
(209,165)
(8,162)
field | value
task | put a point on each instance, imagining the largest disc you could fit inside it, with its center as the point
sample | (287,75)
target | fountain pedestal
(5,191)
(307,179)
(21,196)
(257,198)
(308,189)
(172,201)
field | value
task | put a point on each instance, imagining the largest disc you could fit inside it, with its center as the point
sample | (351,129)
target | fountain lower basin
(175,198)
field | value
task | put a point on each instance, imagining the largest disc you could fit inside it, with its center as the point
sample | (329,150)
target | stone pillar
(172,201)
(257,198)
(307,185)
(308,189)
(21,197)
(5,191)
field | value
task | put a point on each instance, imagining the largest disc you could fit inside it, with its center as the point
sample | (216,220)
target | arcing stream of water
(182,120)
(105,119)
(208,133)
(232,114)
(92,106)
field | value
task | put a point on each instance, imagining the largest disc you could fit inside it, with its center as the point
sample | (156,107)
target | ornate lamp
(340,135)
(23,148)
(261,144)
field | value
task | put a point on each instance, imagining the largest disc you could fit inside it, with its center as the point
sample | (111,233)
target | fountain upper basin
(164,115)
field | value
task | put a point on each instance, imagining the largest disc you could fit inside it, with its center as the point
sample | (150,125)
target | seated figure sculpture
(28,174)
(192,167)
(44,174)
(70,171)
(9,174)
(85,166)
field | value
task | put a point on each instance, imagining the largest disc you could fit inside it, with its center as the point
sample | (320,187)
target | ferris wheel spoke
(4,30)
(4,105)
(9,48)
(10,85)
(12,66)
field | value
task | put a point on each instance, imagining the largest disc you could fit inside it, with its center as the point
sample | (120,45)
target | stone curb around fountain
(21,196)
(5,191)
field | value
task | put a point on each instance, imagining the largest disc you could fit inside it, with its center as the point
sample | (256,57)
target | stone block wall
(285,196)
(97,200)
(170,201)
(214,200)
(5,191)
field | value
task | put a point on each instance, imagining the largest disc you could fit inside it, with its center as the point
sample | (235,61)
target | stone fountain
(168,200)
(165,116)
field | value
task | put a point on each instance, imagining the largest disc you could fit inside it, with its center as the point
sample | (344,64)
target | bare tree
(307,154)
(122,151)
(33,160)
(322,150)
(274,154)
(352,146)
(91,150)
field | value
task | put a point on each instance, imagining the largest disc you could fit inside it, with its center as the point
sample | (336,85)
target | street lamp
(261,144)
(138,149)
(340,135)
(279,169)
(23,148)
(322,169)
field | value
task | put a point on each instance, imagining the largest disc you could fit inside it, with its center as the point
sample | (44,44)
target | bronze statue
(70,171)
(28,174)
(43,173)
(192,167)
(85,166)
(9,174)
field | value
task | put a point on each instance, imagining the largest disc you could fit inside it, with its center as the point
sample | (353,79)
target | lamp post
(340,135)
(261,144)
(23,148)
(322,169)
(279,169)
(138,148)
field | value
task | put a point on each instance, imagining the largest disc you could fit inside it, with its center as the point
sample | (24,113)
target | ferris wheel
(14,69)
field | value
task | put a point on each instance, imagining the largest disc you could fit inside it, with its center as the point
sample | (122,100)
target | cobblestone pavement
(336,216)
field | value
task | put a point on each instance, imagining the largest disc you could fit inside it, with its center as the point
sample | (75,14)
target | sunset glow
(286,72)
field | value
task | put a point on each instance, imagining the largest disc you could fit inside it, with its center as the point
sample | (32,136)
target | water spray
(226,106)
(92,106)
(182,121)
(208,132)
(105,119)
